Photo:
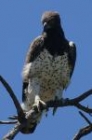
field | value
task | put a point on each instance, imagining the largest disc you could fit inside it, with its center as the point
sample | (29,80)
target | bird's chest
(50,72)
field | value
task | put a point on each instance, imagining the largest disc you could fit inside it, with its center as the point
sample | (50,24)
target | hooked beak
(46,26)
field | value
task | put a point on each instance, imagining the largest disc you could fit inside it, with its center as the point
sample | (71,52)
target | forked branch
(83,131)
(22,118)
(14,99)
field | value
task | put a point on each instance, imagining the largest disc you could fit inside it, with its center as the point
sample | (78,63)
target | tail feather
(32,124)
(29,129)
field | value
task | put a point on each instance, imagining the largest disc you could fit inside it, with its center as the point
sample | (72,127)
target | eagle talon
(39,104)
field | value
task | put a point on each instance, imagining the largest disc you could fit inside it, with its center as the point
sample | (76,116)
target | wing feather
(35,48)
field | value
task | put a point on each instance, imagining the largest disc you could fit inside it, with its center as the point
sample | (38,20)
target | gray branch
(22,118)
(83,131)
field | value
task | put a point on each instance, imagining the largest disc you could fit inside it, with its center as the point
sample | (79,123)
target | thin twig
(14,117)
(8,122)
(83,108)
(85,118)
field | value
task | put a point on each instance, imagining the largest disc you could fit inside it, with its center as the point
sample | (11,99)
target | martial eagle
(48,67)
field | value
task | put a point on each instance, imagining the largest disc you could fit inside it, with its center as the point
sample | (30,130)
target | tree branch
(83,96)
(14,99)
(83,132)
(85,118)
(32,114)
(22,118)
(8,122)
(12,133)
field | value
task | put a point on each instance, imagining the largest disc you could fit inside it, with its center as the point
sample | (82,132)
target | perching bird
(49,66)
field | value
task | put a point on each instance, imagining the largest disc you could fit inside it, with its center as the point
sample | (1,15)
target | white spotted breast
(50,71)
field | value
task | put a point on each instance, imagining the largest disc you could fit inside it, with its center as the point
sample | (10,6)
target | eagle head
(50,20)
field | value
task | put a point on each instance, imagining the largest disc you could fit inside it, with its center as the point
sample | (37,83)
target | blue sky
(19,25)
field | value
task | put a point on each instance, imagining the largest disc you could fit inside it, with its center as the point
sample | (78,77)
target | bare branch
(22,120)
(69,102)
(72,102)
(85,118)
(83,132)
(8,122)
(13,132)
(32,114)
(83,96)
(14,98)
(83,108)
(14,117)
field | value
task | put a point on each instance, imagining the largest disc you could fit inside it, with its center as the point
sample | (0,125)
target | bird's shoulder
(72,50)
(72,55)
(35,48)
